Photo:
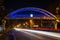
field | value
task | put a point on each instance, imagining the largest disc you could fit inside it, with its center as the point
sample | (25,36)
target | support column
(41,22)
(56,25)
(3,24)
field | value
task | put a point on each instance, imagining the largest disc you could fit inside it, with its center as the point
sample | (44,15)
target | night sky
(28,3)
(11,5)
(49,5)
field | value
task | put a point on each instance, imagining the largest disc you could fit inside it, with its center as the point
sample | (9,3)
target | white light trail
(52,34)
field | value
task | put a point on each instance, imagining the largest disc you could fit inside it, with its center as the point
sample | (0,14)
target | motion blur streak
(52,34)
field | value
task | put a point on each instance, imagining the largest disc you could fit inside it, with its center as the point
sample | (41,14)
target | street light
(31,23)
(57,11)
(31,15)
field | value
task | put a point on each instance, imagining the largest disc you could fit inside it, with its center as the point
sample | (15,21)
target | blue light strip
(14,13)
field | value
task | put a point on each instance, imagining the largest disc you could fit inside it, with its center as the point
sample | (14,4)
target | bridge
(28,23)
(32,17)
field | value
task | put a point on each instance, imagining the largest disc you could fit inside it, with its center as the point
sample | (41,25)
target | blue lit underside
(26,12)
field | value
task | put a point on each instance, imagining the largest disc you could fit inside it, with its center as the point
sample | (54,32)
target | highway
(27,34)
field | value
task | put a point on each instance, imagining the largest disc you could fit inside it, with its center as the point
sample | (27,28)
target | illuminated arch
(12,14)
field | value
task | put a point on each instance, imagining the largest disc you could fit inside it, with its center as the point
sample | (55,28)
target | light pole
(57,11)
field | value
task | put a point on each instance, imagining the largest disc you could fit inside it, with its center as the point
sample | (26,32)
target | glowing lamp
(31,15)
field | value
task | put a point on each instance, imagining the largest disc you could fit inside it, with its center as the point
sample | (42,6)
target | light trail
(52,34)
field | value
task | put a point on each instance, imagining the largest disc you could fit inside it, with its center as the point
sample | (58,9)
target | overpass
(31,16)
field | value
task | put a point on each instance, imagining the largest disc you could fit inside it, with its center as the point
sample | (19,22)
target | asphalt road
(27,35)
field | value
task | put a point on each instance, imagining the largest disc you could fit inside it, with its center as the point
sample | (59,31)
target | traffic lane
(23,36)
(45,33)
(54,34)
(40,36)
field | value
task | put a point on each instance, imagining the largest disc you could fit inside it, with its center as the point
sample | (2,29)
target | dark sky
(49,5)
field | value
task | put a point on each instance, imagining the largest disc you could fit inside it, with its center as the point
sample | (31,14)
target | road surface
(24,34)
